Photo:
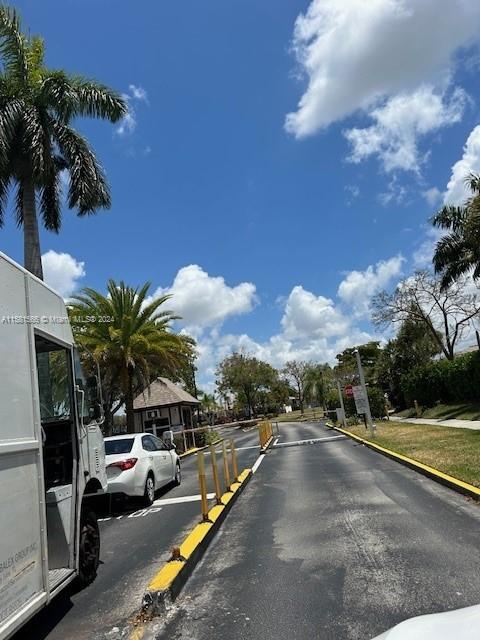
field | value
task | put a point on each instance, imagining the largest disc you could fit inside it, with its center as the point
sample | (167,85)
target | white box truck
(52,457)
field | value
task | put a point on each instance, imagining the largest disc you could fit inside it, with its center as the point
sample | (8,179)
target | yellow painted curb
(166,584)
(194,538)
(444,478)
(189,452)
(193,450)
(166,575)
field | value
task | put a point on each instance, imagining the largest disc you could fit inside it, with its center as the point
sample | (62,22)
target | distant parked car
(139,463)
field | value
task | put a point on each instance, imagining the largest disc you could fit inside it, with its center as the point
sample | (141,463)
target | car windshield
(121,445)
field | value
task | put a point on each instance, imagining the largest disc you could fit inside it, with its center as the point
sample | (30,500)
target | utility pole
(340,397)
(368,414)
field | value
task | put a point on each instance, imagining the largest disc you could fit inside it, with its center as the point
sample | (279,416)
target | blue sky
(271,230)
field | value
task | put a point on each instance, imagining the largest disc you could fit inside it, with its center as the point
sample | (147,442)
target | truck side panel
(21,490)
(21,575)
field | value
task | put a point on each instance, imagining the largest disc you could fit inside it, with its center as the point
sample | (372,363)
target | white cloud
(400,122)
(62,271)
(432,196)
(205,301)
(396,193)
(358,287)
(422,256)
(354,52)
(311,316)
(382,58)
(128,123)
(312,327)
(457,192)
(138,93)
(353,192)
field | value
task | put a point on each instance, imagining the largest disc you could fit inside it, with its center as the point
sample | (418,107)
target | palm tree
(128,335)
(458,252)
(315,387)
(209,405)
(37,142)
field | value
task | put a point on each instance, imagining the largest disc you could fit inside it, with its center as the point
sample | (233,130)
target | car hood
(461,624)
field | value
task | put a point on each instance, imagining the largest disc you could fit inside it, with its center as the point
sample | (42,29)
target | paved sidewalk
(457,424)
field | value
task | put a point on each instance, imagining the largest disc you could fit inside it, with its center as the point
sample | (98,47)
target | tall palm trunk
(31,239)
(129,403)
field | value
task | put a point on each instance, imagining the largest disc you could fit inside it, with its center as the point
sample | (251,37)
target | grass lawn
(446,411)
(453,451)
(308,414)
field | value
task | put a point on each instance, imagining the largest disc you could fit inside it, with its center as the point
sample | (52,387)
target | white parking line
(258,462)
(207,453)
(296,443)
(163,501)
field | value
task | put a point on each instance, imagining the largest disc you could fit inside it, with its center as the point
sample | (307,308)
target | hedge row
(375,397)
(446,381)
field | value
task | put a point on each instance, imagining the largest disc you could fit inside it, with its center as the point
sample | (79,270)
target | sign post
(340,397)
(362,403)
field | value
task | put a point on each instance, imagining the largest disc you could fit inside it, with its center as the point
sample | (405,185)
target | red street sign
(349,391)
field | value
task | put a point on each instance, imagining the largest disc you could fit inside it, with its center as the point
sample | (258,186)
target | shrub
(375,397)
(446,381)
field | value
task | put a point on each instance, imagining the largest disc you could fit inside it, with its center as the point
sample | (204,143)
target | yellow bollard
(226,470)
(234,460)
(216,480)
(203,485)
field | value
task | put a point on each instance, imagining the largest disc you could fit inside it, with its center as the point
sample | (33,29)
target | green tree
(37,141)
(317,382)
(347,362)
(446,314)
(412,347)
(135,340)
(296,371)
(245,376)
(458,252)
(209,405)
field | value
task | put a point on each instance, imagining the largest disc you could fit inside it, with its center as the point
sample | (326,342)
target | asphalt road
(134,543)
(330,541)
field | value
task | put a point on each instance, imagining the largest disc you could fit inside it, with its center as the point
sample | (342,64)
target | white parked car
(139,463)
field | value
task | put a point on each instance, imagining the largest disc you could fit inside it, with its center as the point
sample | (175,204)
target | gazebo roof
(162,393)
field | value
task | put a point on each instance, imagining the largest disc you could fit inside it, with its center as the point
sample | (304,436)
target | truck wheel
(149,493)
(89,557)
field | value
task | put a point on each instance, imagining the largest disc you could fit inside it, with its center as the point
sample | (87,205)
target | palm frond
(10,117)
(56,93)
(472,181)
(19,205)
(13,46)
(36,142)
(35,55)
(97,100)
(449,217)
(50,202)
(88,187)
(4,186)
